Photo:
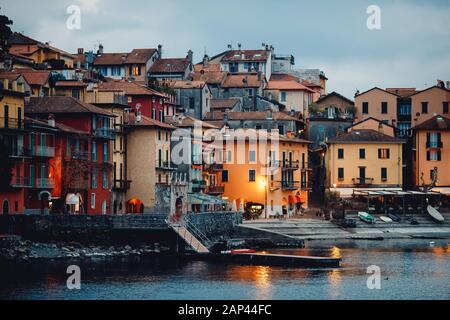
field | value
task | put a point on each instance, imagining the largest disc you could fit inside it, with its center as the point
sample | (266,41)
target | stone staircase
(193,241)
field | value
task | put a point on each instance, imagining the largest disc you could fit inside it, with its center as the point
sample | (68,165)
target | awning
(442,190)
(348,192)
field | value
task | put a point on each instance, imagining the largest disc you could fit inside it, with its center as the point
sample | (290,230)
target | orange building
(432,153)
(430,102)
(274,175)
(376,103)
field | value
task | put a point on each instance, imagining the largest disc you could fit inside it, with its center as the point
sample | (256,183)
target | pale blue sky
(412,49)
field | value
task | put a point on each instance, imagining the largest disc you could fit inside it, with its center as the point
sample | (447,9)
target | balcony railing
(39,151)
(213,167)
(45,183)
(121,184)
(20,152)
(11,123)
(362,181)
(215,190)
(164,165)
(80,155)
(290,185)
(105,133)
(21,182)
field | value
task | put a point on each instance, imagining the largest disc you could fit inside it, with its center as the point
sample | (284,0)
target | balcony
(362,182)
(11,124)
(20,152)
(80,155)
(198,185)
(215,190)
(121,185)
(213,167)
(40,151)
(44,183)
(290,185)
(20,182)
(105,133)
(164,165)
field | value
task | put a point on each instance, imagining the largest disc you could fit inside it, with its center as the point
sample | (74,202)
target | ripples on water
(410,270)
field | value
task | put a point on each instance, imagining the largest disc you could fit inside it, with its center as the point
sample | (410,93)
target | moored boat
(394,217)
(435,215)
(386,219)
(367,218)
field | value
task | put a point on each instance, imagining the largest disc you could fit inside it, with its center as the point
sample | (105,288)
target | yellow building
(272,174)
(364,159)
(12,103)
(148,161)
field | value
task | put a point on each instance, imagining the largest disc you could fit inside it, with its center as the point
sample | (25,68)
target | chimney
(448,84)
(381,128)
(80,50)
(160,50)
(239,46)
(205,61)
(440,83)
(190,56)
(100,49)
(51,120)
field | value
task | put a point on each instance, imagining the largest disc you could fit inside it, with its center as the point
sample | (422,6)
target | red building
(148,102)
(84,158)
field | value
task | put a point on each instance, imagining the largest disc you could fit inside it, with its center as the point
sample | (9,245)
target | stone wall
(215,224)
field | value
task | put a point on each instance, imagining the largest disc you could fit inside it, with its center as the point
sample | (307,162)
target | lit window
(383,153)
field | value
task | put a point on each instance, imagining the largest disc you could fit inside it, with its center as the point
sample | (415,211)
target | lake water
(409,270)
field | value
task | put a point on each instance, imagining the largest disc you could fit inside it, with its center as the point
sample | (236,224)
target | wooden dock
(283,260)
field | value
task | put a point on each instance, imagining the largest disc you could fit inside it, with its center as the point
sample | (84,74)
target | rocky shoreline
(23,251)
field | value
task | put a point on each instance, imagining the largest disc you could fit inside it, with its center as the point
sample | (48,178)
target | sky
(412,48)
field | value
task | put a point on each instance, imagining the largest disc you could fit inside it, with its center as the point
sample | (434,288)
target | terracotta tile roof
(58,104)
(366,135)
(290,85)
(173,65)
(70,83)
(110,59)
(210,77)
(334,93)
(283,77)
(188,122)
(402,92)
(187,84)
(242,81)
(375,88)
(223,103)
(58,125)
(212,67)
(17,41)
(35,77)
(436,123)
(10,75)
(129,88)
(140,56)
(148,122)
(253,115)
(246,55)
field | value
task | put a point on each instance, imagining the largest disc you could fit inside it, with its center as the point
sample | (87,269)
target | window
(94,183)
(94,150)
(105,152)
(92,200)
(384,107)
(362,153)
(159,135)
(434,155)
(76,94)
(434,140)
(340,153)
(365,107)
(191,103)
(258,127)
(403,128)
(105,180)
(425,107)
(383,153)
(135,71)
(252,156)
(404,109)
(225,176)
(445,107)
(161,115)
(153,114)
(283,96)
(341,173)
(250,92)
(383,174)
(251,175)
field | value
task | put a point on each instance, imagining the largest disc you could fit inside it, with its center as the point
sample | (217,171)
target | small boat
(386,219)
(364,216)
(242,251)
(394,217)
(436,215)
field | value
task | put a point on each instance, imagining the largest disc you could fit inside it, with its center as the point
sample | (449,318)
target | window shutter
(388,153)
(379,153)
(428,156)
(439,140)
(428,139)
(439,155)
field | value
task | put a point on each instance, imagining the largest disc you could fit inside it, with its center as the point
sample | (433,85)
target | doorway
(5,207)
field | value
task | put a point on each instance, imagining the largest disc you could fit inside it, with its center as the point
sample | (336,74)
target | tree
(5,34)
(6,165)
